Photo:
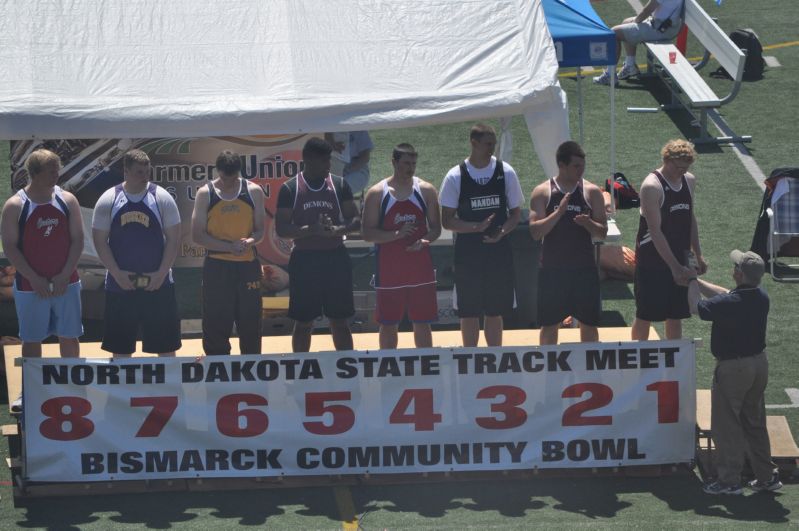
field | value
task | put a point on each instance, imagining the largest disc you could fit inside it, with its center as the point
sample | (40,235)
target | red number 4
(423,417)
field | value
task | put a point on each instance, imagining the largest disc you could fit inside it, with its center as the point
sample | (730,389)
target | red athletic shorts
(418,301)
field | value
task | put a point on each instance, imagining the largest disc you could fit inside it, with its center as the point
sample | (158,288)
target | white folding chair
(783,237)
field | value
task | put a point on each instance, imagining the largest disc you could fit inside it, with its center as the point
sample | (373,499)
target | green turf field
(727,207)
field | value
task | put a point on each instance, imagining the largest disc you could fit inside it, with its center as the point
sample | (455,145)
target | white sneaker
(604,79)
(627,72)
(16,405)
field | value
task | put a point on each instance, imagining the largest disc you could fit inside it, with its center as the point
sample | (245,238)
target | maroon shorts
(418,301)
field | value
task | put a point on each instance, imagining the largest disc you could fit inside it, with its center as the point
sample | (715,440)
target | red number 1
(668,400)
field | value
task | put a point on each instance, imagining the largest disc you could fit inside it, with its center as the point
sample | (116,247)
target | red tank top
(44,237)
(396,266)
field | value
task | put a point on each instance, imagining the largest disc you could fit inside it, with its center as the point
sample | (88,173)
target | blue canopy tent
(582,39)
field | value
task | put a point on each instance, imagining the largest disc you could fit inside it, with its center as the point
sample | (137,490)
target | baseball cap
(749,263)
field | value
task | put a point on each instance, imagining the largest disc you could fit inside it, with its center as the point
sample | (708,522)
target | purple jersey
(136,237)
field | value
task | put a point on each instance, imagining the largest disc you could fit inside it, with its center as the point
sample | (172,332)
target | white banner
(421,410)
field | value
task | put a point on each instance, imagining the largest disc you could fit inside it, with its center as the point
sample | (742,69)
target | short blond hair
(135,156)
(678,149)
(39,160)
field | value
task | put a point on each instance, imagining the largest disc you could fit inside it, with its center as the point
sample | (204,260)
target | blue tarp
(581,37)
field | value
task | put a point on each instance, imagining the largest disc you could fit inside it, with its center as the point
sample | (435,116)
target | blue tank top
(137,236)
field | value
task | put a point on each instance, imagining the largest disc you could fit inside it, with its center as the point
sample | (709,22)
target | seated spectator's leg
(342,336)
(388,336)
(31,349)
(673,328)
(301,336)
(470,331)
(493,330)
(549,334)
(640,330)
(422,335)
(588,333)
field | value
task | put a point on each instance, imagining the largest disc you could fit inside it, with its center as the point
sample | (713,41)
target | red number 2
(601,395)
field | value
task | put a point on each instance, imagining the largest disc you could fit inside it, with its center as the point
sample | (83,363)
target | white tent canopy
(194,68)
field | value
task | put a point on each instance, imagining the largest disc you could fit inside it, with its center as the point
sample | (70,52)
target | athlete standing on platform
(136,231)
(42,235)
(481,202)
(667,234)
(228,220)
(401,216)
(316,210)
(568,213)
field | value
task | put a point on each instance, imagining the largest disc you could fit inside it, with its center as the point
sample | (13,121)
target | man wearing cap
(738,341)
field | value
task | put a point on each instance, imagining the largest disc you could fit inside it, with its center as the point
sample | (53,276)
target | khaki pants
(738,418)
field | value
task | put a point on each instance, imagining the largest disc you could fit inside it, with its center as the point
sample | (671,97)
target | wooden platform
(320,343)
(784,450)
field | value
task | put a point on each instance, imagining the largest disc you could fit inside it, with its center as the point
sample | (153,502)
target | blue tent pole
(580,100)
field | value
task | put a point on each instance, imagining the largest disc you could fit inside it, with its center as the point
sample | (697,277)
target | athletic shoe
(771,485)
(16,405)
(628,71)
(604,79)
(718,488)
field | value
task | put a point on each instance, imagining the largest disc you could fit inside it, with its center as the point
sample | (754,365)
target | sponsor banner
(415,410)
(180,165)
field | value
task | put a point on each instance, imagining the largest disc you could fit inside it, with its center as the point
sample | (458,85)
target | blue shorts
(40,318)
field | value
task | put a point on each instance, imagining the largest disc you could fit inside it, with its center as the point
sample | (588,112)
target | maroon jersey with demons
(44,237)
(396,266)
(568,245)
(675,223)
(309,205)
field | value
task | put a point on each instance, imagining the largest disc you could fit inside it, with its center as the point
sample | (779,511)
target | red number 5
(315,406)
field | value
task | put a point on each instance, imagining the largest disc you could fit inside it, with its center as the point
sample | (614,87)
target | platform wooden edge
(41,490)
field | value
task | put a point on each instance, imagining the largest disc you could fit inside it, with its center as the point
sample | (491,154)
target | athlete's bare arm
(651,196)
(430,195)
(259,216)
(61,280)
(540,223)
(9,227)
(352,219)
(597,223)
(700,260)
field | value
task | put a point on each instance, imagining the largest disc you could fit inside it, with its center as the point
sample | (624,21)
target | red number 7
(163,407)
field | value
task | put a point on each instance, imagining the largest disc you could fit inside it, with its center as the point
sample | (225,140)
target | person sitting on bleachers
(659,20)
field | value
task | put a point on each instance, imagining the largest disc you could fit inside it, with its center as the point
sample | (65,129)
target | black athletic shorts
(320,283)
(484,280)
(564,292)
(657,297)
(154,312)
